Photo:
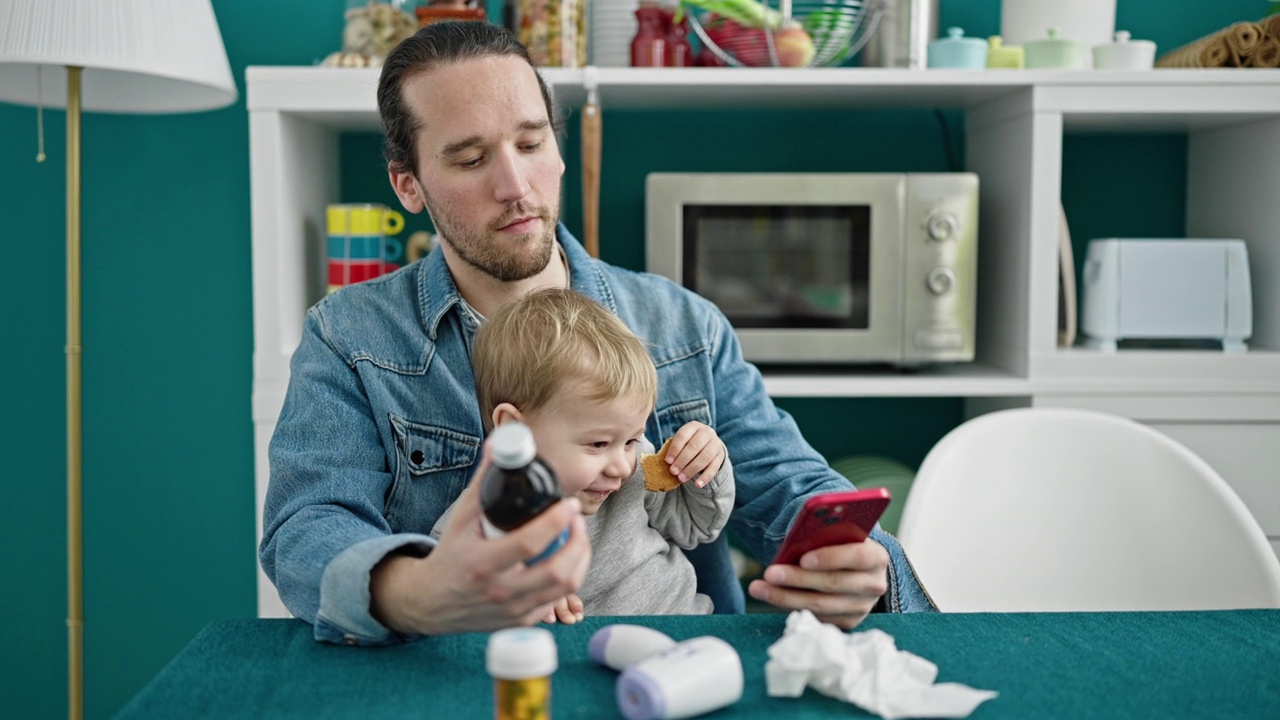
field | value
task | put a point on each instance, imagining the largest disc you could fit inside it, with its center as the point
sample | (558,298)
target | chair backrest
(1057,509)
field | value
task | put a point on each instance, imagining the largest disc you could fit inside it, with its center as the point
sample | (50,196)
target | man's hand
(567,610)
(839,584)
(472,583)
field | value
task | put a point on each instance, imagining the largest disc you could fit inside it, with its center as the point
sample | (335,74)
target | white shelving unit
(1225,407)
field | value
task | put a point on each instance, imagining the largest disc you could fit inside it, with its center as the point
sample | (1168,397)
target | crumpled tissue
(865,668)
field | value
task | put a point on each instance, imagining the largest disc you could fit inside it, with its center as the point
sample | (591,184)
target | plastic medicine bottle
(518,485)
(521,662)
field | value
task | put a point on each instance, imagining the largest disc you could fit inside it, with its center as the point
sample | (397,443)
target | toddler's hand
(567,610)
(696,453)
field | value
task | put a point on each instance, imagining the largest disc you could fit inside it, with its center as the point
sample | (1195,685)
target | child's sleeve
(692,515)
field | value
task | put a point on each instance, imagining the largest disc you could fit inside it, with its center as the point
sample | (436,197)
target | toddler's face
(590,444)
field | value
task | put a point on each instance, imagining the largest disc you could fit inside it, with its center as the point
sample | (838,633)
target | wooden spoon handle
(591,133)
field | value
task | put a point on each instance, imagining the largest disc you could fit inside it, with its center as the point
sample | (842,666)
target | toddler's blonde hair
(530,347)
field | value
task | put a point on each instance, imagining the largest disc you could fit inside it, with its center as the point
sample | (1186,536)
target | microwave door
(796,281)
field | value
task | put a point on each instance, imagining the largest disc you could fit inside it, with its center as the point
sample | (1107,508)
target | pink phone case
(835,518)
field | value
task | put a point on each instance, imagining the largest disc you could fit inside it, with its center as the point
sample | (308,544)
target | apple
(794,46)
(746,45)
(750,47)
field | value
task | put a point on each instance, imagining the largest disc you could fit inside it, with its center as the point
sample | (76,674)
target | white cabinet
(1015,122)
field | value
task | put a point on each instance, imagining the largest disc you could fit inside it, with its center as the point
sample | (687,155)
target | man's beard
(508,259)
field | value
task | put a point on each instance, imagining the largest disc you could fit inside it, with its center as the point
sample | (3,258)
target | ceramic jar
(1055,53)
(957,51)
(1004,56)
(1124,54)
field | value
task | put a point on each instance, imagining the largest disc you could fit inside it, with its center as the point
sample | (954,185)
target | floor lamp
(129,56)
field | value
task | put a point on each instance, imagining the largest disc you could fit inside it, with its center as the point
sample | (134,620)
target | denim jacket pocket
(433,465)
(673,417)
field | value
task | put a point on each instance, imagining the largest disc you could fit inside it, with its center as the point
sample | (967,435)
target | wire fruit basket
(783,33)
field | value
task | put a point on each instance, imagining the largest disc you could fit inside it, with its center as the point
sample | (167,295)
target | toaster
(1166,290)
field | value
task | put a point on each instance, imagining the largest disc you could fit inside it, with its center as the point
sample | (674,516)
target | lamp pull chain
(39,116)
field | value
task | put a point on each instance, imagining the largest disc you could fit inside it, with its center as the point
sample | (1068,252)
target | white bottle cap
(521,654)
(512,444)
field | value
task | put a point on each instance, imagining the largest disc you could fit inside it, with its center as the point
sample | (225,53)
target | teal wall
(168,447)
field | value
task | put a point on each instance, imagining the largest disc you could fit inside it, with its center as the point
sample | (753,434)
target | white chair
(1054,509)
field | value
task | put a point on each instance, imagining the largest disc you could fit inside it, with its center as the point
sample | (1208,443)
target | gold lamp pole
(75,543)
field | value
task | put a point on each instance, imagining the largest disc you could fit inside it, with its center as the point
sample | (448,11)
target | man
(380,429)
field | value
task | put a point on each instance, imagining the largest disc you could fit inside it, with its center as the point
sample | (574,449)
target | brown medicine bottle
(518,486)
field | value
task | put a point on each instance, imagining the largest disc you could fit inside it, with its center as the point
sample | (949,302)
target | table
(1219,664)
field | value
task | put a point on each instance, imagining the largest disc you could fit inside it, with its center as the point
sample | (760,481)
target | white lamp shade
(139,56)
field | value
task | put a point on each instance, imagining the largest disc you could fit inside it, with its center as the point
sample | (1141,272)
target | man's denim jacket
(380,431)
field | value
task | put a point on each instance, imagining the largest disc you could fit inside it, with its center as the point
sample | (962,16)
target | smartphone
(835,518)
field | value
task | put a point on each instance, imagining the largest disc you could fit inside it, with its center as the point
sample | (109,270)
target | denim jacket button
(417,457)
(350,639)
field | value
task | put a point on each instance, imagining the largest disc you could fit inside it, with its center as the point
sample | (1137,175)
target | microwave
(825,268)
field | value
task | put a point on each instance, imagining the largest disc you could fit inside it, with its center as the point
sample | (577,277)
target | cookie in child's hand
(657,473)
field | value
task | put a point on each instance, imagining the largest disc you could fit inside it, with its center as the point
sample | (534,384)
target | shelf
(1084,370)
(965,380)
(1226,407)
(345,98)
(1014,123)
(1074,371)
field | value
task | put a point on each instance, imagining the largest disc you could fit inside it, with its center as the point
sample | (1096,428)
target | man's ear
(408,190)
(506,412)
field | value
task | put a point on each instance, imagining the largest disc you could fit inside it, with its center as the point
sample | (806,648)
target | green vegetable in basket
(747,13)
(830,29)
(827,20)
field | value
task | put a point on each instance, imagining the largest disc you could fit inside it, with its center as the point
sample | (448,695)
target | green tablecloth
(1051,665)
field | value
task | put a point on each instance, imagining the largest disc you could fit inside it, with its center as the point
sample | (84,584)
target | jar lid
(1004,56)
(1122,39)
(521,654)
(1054,41)
(512,445)
(955,36)
(996,45)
